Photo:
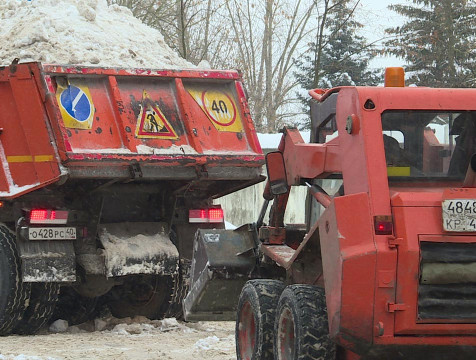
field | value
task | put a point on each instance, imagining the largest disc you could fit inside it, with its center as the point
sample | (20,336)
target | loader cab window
(427,145)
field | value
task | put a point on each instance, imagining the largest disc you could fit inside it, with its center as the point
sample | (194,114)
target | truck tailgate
(115,123)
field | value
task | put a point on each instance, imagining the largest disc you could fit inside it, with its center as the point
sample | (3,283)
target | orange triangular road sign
(151,122)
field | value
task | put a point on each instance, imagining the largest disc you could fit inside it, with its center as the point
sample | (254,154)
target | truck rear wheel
(255,319)
(73,307)
(181,284)
(301,328)
(43,299)
(148,296)
(13,292)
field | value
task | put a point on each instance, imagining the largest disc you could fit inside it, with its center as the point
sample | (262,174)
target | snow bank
(84,32)
(271,141)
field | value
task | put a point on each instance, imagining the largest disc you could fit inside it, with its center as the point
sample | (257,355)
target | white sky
(375,17)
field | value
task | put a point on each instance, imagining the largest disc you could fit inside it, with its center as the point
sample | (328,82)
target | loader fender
(138,248)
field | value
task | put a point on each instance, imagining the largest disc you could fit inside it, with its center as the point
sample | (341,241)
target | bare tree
(259,37)
(194,28)
(268,35)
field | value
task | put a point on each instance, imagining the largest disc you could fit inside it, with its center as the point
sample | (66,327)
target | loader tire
(73,307)
(148,296)
(255,319)
(14,292)
(301,327)
(43,299)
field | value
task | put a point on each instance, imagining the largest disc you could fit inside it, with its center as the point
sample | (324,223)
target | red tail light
(43,216)
(383,225)
(206,216)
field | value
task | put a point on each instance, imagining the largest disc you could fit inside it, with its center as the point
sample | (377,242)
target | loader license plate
(459,215)
(50,233)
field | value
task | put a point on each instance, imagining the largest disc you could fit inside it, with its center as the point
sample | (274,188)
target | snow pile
(214,342)
(84,32)
(207,343)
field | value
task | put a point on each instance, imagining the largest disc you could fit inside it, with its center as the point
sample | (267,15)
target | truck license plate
(50,233)
(459,215)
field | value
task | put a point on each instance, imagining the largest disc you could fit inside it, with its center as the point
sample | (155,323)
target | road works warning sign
(76,105)
(151,122)
(220,107)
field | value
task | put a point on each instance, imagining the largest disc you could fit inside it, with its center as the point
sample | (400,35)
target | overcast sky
(375,17)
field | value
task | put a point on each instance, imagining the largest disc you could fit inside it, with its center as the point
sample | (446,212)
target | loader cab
(428,146)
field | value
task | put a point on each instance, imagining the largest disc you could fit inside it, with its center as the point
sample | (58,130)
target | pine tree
(437,41)
(344,55)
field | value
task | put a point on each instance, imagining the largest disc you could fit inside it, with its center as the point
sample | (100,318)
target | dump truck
(106,176)
(384,267)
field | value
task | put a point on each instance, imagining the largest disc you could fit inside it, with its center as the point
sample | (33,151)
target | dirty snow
(121,339)
(148,242)
(174,149)
(84,32)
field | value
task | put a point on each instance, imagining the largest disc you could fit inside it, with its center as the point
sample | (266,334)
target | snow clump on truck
(85,32)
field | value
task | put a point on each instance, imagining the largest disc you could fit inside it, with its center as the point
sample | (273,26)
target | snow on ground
(122,339)
(85,32)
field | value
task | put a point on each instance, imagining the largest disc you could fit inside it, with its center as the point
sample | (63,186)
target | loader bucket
(222,260)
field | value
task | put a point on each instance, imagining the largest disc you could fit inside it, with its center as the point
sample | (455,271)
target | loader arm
(302,162)
(308,161)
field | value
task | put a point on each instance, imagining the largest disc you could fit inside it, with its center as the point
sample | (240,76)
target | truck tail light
(206,216)
(43,216)
(383,225)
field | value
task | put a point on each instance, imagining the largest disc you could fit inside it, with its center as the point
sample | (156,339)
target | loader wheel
(43,299)
(148,296)
(73,307)
(255,319)
(13,292)
(301,328)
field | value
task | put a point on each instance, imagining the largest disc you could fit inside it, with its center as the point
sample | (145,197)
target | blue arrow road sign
(76,103)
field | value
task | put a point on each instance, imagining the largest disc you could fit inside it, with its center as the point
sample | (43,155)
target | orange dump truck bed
(60,123)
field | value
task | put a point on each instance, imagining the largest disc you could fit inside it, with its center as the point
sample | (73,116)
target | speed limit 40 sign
(219,106)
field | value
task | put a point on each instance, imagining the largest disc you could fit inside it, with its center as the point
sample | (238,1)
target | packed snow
(82,32)
(121,339)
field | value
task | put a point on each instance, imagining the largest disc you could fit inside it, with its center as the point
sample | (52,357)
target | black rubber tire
(43,299)
(254,332)
(181,284)
(301,327)
(13,292)
(73,307)
(148,296)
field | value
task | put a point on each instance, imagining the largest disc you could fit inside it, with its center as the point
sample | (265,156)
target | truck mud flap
(138,248)
(221,263)
(47,261)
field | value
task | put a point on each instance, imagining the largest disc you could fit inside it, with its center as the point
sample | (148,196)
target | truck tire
(43,299)
(13,292)
(148,296)
(73,307)
(181,284)
(301,328)
(255,319)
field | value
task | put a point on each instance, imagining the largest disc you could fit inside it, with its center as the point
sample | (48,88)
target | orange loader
(385,266)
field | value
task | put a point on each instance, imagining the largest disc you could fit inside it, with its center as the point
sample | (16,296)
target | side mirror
(276,173)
